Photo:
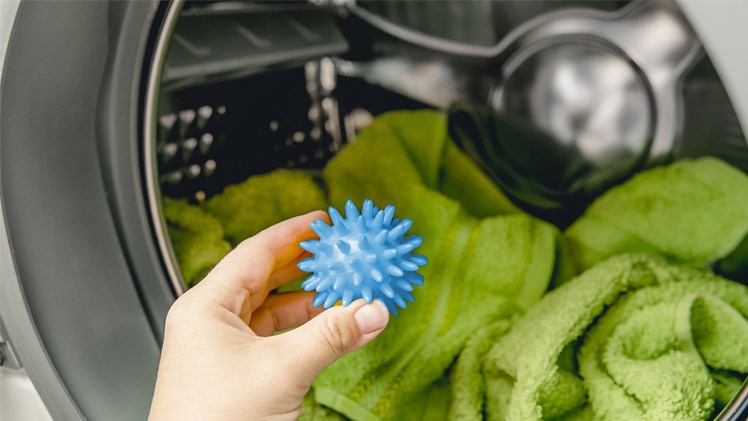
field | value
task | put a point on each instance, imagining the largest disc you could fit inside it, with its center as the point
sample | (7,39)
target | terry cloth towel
(260,201)
(196,237)
(632,338)
(692,212)
(482,267)
(467,378)
(311,411)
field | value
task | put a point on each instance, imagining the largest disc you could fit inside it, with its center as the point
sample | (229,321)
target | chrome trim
(738,406)
(153,191)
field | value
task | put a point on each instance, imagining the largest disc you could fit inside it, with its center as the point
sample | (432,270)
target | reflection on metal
(648,44)
(583,94)
(596,107)
(355,121)
(321,80)
(603,86)
(149,148)
(431,81)
(652,39)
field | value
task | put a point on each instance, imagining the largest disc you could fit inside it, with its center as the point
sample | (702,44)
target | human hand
(220,360)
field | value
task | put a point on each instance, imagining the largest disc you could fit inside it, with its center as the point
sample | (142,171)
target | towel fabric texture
(249,207)
(632,338)
(311,411)
(468,378)
(692,212)
(197,239)
(486,261)
(645,332)
(660,212)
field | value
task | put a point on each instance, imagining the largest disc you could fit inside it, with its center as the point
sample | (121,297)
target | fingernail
(371,317)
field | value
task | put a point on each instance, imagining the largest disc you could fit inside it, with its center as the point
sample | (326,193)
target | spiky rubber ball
(363,255)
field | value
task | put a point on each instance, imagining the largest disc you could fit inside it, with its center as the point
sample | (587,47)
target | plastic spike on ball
(363,255)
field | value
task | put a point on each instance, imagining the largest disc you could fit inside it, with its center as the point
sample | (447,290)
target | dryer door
(84,293)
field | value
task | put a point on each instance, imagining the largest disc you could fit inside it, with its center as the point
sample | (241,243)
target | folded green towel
(655,341)
(407,148)
(631,338)
(312,411)
(196,237)
(249,207)
(480,270)
(467,379)
(431,403)
(692,212)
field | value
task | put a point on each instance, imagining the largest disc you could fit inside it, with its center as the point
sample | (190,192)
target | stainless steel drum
(106,107)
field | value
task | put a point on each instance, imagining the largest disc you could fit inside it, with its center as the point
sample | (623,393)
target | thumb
(333,333)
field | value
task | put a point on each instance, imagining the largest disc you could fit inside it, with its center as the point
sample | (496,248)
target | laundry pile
(617,317)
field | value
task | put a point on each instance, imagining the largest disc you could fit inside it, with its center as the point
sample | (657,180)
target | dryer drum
(107,108)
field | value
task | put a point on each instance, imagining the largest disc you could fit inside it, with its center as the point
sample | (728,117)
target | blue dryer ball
(363,256)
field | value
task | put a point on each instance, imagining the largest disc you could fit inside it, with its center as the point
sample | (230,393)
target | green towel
(479,270)
(249,207)
(692,212)
(655,341)
(312,411)
(411,148)
(196,237)
(631,338)
(467,380)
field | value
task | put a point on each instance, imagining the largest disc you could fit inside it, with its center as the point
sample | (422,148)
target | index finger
(245,271)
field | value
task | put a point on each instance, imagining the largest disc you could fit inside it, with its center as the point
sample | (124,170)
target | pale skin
(220,358)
